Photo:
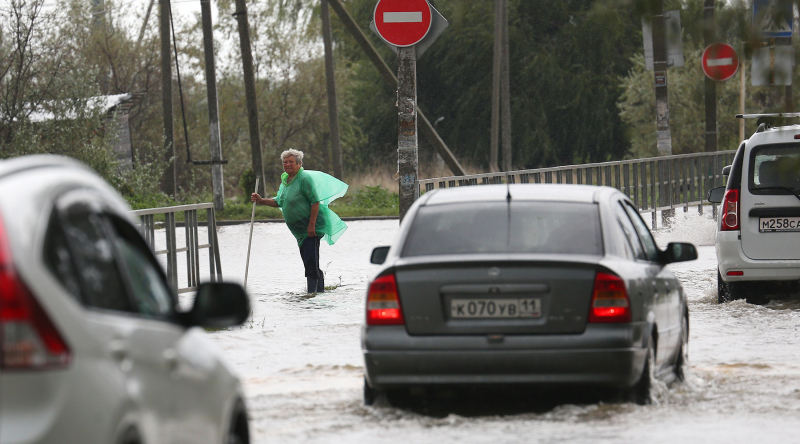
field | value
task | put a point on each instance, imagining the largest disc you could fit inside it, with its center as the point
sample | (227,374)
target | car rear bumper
(608,355)
(730,257)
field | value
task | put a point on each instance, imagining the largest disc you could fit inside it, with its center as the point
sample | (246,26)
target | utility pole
(333,110)
(501,90)
(497,63)
(664,139)
(213,107)
(170,176)
(250,92)
(407,144)
(505,92)
(709,36)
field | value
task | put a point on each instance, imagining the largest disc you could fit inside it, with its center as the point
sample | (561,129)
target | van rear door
(770,203)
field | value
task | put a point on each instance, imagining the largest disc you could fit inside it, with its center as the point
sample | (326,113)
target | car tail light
(28,339)
(730,211)
(610,301)
(735,273)
(383,302)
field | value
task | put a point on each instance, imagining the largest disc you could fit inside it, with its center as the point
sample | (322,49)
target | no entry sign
(720,61)
(402,22)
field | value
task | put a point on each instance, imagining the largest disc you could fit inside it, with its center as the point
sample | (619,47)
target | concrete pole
(496,73)
(709,37)
(333,109)
(213,108)
(250,92)
(407,144)
(664,138)
(169,184)
(505,91)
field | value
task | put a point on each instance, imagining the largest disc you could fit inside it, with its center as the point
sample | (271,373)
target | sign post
(403,24)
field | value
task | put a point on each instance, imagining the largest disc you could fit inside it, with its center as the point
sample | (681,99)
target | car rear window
(498,227)
(774,167)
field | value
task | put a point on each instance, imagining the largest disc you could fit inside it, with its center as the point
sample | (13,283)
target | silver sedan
(527,284)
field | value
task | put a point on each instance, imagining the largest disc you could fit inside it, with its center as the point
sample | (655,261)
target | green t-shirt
(295,199)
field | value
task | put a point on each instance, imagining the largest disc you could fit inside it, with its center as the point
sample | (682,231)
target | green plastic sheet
(295,198)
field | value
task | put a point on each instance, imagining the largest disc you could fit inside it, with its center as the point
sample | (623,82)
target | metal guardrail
(653,184)
(192,248)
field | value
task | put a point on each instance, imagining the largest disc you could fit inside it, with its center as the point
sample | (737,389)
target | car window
(58,259)
(95,264)
(645,236)
(630,232)
(151,295)
(774,166)
(498,227)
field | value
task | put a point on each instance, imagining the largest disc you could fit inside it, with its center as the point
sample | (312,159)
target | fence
(192,246)
(653,184)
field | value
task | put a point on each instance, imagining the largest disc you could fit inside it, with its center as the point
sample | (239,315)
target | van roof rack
(768,120)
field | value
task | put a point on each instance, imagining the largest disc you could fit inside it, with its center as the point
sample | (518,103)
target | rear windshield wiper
(794,192)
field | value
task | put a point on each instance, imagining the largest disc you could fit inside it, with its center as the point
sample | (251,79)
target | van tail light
(383,302)
(28,338)
(610,302)
(730,211)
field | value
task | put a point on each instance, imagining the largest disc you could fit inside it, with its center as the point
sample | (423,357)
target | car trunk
(496,297)
(770,216)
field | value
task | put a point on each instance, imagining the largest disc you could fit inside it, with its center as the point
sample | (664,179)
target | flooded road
(300,362)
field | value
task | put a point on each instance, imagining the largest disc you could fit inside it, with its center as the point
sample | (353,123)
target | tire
(682,360)
(374,396)
(723,293)
(239,432)
(640,393)
(727,292)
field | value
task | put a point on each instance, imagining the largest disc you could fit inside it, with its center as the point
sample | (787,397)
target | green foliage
(375,197)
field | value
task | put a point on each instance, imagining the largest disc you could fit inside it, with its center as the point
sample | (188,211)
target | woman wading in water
(303,197)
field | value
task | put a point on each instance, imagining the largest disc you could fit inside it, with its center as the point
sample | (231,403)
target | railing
(653,184)
(192,248)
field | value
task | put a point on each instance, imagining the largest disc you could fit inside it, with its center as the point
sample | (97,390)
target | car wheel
(723,292)
(640,393)
(682,360)
(239,432)
(374,396)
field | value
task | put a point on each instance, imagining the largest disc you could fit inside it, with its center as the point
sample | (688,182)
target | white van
(758,234)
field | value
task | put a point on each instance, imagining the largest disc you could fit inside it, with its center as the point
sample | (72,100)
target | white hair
(298,155)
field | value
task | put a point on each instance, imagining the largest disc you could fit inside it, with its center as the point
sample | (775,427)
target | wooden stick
(250,242)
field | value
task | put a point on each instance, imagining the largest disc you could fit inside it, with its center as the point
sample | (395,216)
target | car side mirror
(679,252)
(715,195)
(218,305)
(379,255)
(727,170)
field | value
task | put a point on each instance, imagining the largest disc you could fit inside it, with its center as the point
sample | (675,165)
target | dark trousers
(309,252)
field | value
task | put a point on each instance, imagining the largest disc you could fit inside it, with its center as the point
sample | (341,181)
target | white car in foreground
(93,347)
(758,234)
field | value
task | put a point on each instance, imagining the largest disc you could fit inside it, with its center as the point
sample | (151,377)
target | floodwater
(300,362)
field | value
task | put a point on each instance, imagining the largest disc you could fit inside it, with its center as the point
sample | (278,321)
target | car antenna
(508,188)
(508,212)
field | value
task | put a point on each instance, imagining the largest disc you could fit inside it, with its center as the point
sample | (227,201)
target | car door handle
(170,359)
(118,349)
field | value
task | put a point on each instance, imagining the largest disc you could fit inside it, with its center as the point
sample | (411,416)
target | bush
(376,197)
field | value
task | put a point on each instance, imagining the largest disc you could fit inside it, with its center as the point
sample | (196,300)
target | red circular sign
(402,22)
(720,61)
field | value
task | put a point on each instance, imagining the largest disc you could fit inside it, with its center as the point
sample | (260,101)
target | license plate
(496,308)
(772,224)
